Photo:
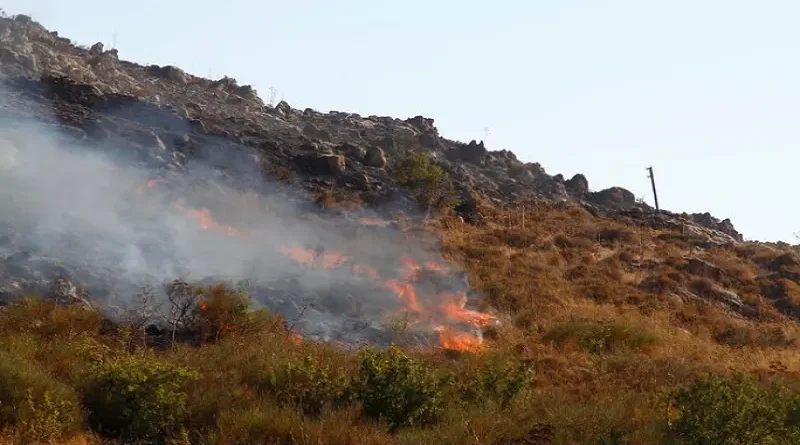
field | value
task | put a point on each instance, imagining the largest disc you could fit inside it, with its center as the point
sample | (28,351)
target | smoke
(119,225)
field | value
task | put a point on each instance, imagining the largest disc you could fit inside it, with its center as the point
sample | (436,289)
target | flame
(203,305)
(203,217)
(459,341)
(358,269)
(150,184)
(327,260)
(407,293)
(445,313)
(296,338)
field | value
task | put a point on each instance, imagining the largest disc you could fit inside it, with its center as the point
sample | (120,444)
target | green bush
(398,390)
(496,378)
(601,337)
(304,383)
(136,398)
(429,182)
(735,411)
(35,404)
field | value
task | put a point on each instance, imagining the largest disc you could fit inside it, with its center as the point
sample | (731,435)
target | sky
(707,92)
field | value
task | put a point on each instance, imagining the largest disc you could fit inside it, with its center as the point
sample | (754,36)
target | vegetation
(429,182)
(607,337)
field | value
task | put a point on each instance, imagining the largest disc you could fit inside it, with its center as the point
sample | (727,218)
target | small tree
(398,390)
(136,318)
(429,182)
(183,299)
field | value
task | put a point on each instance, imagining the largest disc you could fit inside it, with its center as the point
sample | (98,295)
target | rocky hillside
(102,98)
(543,311)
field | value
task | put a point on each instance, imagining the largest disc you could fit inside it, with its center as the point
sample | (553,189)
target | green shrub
(601,337)
(136,398)
(398,390)
(735,411)
(429,182)
(496,378)
(304,383)
(32,402)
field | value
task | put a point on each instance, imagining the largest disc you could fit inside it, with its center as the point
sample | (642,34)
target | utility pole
(653,183)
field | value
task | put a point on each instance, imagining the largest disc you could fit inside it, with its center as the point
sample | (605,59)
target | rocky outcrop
(163,117)
(615,198)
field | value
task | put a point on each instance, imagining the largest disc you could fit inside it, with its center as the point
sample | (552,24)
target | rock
(615,197)
(473,152)
(62,291)
(703,268)
(96,49)
(785,260)
(283,107)
(403,137)
(421,123)
(375,157)
(168,72)
(159,143)
(352,151)
(322,164)
(578,186)
(728,297)
(726,226)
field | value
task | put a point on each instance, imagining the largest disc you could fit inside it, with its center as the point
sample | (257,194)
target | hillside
(184,263)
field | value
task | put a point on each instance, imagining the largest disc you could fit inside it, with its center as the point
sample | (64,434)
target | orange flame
(203,305)
(203,217)
(150,184)
(459,341)
(327,260)
(296,338)
(443,313)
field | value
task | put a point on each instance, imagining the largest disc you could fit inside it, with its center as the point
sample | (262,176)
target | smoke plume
(108,220)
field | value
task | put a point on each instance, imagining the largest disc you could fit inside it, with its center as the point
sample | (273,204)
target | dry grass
(607,315)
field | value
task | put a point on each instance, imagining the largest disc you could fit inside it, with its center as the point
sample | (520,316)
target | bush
(398,390)
(222,310)
(734,411)
(429,182)
(136,398)
(601,337)
(304,383)
(496,378)
(41,408)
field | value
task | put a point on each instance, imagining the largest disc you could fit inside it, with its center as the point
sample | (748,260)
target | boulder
(473,152)
(703,268)
(96,49)
(62,291)
(375,157)
(577,186)
(322,164)
(616,198)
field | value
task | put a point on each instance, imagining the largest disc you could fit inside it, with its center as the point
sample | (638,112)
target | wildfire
(459,341)
(442,312)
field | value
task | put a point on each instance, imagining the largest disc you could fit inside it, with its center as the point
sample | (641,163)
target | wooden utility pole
(653,183)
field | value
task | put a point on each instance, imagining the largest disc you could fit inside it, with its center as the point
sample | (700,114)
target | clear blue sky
(708,92)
